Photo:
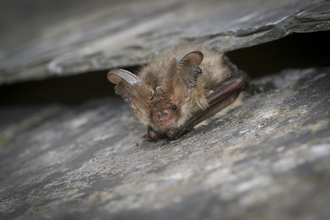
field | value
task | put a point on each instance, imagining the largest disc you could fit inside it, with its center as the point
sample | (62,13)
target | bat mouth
(166,124)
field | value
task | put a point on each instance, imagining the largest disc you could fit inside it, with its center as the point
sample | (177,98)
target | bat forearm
(198,118)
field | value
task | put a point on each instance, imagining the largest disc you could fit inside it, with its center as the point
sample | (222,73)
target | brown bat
(176,91)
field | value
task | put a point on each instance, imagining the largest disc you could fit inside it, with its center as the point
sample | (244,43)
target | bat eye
(174,108)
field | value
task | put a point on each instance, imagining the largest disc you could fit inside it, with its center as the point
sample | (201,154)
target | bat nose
(162,116)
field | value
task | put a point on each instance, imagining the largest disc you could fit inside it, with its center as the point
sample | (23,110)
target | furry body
(179,88)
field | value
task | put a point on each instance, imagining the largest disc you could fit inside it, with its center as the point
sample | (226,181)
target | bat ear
(133,90)
(181,75)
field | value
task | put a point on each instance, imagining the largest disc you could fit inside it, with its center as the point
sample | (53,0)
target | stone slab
(267,159)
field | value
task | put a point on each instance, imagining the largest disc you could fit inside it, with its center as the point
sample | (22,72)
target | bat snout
(164,117)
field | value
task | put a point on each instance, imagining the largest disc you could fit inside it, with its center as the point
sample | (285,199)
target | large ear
(181,75)
(133,90)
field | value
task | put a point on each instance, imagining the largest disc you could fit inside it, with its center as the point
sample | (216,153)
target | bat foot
(171,134)
(151,135)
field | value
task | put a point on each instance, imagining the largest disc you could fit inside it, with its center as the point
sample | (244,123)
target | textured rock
(40,40)
(267,159)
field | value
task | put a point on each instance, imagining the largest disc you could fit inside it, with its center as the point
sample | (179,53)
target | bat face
(165,112)
(172,98)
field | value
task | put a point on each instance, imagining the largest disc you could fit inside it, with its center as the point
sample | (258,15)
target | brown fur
(213,73)
(179,89)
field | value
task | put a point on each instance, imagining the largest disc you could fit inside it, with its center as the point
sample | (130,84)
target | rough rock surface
(267,159)
(40,39)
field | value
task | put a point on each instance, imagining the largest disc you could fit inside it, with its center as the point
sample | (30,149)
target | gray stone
(267,159)
(59,38)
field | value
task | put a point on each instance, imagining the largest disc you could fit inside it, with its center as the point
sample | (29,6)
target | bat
(180,88)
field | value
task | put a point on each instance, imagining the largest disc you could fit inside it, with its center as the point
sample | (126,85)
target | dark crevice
(69,90)
(295,51)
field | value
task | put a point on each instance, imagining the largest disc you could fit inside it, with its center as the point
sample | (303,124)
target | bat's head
(164,107)
(165,111)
